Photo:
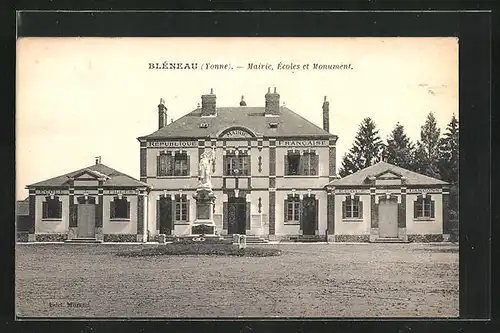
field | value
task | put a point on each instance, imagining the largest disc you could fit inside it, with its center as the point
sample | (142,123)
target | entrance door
(237,214)
(388,218)
(309,216)
(165,215)
(86,220)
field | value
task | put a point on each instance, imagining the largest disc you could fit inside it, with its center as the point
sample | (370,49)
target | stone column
(140,216)
(330,214)
(99,234)
(373,215)
(32,214)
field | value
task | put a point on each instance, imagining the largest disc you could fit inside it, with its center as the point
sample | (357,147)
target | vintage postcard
(236,177)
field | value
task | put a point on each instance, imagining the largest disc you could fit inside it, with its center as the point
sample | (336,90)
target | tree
(426,154)
(399,148)
(448,151)
(365,151)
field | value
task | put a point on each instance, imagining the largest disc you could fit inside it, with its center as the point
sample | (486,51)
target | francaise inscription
(424,190)
(161,144)
(304,143)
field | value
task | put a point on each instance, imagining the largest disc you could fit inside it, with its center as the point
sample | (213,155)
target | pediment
(89,175)
(388,174)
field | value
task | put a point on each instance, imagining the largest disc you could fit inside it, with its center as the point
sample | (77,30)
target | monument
(204,196)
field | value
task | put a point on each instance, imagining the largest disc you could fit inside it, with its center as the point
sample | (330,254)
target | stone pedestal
(204,223)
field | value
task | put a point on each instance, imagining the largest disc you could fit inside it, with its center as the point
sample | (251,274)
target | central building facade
(268,176)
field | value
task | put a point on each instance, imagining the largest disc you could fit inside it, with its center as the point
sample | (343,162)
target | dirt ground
(308,280)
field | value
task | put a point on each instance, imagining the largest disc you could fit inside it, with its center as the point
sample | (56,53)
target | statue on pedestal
(205,169)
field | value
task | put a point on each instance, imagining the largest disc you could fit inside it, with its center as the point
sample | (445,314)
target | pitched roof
(113,178)
(289,124)
(23,207)
(359,177)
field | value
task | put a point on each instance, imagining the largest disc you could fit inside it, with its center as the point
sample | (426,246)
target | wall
(51,225)
(120,226)
(361,227)
(434,226)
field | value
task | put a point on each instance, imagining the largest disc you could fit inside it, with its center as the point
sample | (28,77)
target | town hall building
(274,176)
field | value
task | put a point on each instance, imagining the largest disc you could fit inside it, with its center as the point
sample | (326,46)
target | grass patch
(202,249)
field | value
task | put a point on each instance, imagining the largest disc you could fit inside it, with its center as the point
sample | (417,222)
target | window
(169,164)
(301,165)
(293,164)
(180,164)
(352,208)
(310,163)
(424,207)
(181,208)
(292,210)
(120,208)
(237,165)
(52,208)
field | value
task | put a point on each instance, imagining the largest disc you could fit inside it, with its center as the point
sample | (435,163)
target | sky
(78,98)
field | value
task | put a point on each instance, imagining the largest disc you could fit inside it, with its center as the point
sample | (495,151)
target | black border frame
(474,32)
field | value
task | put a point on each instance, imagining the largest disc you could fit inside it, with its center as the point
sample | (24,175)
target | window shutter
(301,209)
(285,214)
(432,208)
(157,214)
(224,160)
(301,164)
(249,167)
(45,212)
(188,162)
(172,212)
(112,209)
(225,213)
(343,210)
(360,207)
(158,165)
(170,165)
(213,166)
(285,163)
(188,202)
(415,208)
(315,164)
(249,207)
(59,209)
(128,209)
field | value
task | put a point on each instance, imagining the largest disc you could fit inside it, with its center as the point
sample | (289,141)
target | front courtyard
(307,280)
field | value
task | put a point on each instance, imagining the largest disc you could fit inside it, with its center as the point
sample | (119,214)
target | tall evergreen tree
(426,154)
(399,148)
(448,151)
(365,151)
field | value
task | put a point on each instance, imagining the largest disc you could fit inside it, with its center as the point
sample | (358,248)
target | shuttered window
(292,209)
(237,165)
(424,207)
(120,208)
(181,164)
(170,164)
(181,208)
(309,164)
(52,208)
(301,165)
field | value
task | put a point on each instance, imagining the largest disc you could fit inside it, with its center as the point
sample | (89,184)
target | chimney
(162,114)
(272,102)
(98,160)
(326,115)
(242,102)
(208,105)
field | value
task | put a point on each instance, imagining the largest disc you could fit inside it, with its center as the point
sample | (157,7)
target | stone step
(83,240)
(389,240)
